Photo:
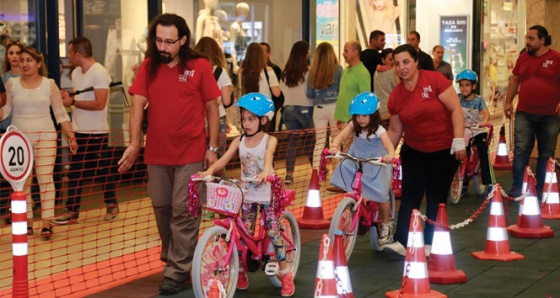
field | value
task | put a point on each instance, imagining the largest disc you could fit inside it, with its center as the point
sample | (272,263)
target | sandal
(46,233)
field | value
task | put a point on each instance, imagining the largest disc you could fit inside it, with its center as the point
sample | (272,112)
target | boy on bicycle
(256,151)
(476,114)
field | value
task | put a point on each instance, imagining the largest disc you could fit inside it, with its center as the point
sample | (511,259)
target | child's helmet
(365,103)
(467,74)
(257,104)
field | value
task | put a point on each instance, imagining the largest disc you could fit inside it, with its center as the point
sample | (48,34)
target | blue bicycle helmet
(257,104)
(365,103)
(467,74)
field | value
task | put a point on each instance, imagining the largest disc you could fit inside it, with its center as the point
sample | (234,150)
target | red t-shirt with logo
(176,133)
(539,77)
(426,121)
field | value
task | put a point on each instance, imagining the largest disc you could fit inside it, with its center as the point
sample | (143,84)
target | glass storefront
(503,34)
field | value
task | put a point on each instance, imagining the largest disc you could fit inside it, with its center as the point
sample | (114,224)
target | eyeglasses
(167,42)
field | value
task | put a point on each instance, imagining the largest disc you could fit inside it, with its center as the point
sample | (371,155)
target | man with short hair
(424,60)
(89,121)
(371,57)
(440,65)
(267,54)
(536,76)
(182,93)
(355,80)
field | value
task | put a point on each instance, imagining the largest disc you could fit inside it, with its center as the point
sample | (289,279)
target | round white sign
(16,155)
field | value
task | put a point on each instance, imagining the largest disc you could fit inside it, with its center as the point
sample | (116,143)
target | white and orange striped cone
(551,203)
(497,242)
(313,211)
(530,223)
(502,162)
(528,178)
(416,282)
(325,283)
(343,284)
(441,266)
(214,290)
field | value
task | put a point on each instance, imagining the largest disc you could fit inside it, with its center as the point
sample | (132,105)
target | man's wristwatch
(213,149)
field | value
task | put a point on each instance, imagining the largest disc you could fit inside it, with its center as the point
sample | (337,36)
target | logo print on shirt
(185,75)
(547,63)
(426,92)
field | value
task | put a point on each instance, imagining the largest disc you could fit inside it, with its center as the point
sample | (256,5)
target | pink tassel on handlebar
(323,165)
(278,194)
(194,198)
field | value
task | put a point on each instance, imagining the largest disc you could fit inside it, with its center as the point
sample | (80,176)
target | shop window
(503,32)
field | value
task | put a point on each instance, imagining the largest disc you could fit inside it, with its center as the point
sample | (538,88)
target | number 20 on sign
(16,157)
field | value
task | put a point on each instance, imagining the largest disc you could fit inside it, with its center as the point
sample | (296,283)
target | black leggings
(427,174)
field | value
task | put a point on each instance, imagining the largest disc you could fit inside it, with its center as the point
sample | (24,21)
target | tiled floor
(374,273)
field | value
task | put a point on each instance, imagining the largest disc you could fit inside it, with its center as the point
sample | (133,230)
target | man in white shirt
(91,129)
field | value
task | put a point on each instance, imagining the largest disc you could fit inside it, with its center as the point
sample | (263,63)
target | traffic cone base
(432,294)
(511,256)
(313,211)
(441,266)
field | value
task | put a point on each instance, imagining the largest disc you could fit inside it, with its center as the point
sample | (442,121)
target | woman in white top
(30,98)
(210,48)
(252,76)
(298,108)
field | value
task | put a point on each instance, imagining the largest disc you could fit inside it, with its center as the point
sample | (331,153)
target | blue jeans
(527,127)
(298,118)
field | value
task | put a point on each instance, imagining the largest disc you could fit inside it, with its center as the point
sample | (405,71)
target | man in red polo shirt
(536,76)
(182,93)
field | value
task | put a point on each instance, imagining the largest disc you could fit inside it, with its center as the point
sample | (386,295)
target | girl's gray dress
(376,180)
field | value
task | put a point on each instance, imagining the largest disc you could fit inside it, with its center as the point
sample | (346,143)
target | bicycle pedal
(271,269)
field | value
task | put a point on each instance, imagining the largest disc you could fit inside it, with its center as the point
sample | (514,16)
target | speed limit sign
(16,155)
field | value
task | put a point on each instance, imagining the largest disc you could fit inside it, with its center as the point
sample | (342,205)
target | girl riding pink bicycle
(370,140)
(256,150)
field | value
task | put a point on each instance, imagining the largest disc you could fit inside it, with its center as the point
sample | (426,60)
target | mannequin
(207,24)
(236,31)
(223,21)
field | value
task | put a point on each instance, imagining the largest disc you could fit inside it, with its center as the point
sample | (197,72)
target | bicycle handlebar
(378,161)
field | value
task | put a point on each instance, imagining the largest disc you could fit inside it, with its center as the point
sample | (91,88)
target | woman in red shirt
(425,107)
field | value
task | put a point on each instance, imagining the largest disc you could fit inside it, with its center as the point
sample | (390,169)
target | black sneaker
(169,286)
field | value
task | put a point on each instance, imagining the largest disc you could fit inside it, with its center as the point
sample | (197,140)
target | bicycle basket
(223,198)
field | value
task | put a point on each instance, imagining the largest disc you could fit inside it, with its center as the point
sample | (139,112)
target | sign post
(16,156)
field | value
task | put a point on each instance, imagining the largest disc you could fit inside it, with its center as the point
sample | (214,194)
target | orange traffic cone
(313,212)
(343,287)
(530,223)
(528,179)
(497,242)
(214,289)
(441,266)
(325,283)
(502,162)
(416,282)
(551,203)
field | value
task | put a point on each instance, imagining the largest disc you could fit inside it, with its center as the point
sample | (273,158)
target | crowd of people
(382,99)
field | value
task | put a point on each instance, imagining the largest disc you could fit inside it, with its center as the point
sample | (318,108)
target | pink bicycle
(220,248)
(470,169)
(354,215)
